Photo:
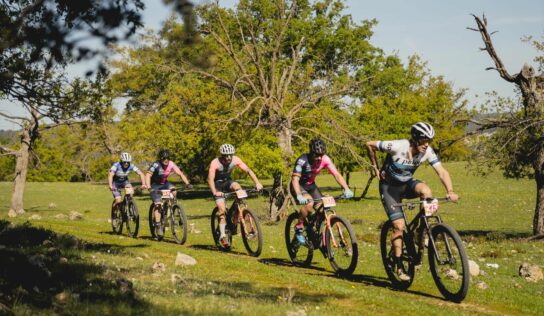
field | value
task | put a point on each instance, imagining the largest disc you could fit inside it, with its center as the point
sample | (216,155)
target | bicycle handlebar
(338,197)
(252,190)
(412,204)
(171,189)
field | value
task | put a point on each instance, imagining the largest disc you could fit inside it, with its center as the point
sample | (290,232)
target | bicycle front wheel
(132,219)
(449,263)
(388,257)
(116,219)
(342,247)
(251,234)
(300,255)
(151,218)
(178,223)
(214,221)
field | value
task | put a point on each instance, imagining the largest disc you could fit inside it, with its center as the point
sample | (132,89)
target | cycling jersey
(307,171)
(399,165)
(222,171)
(120,173)
(160,174)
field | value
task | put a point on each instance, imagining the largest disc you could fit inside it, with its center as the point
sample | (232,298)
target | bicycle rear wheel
(178,224)
(342,249)
(214,221)
(252,235)
(300,255)
(116,219)
(151,220)
(449,263)
(132,219)
(408,257)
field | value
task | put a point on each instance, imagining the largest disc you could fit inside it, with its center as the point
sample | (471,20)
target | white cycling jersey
(399,165)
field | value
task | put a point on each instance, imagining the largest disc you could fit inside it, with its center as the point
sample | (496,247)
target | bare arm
(182,176)
(148,179)
(211,183)
(444,176)
(372,148)
(142,178)
(296,186)
(341,181)
(258,185)
(110,179)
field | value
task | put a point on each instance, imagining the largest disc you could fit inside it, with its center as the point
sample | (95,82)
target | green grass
(493,216)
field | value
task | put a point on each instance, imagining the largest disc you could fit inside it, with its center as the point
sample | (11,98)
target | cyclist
(303,187)
(396,178)
(157,179)
(220,182)
(118,177)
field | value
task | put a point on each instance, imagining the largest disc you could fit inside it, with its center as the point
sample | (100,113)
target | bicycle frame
(321,216)
(236,209)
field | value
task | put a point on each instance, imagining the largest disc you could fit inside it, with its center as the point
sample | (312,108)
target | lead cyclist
(396,180)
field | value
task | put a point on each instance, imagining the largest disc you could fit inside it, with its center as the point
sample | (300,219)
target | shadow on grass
(216,249)
(287,263)
(44,271)
(494,235)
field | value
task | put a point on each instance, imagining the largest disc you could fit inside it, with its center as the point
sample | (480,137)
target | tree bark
(285,136)
(21,170)
(538,220)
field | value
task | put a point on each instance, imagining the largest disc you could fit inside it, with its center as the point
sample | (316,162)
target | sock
(222,230)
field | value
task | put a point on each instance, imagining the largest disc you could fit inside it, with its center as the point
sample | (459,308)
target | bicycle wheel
(151,219)
(342,247)
(408,255)
(162,224)
(301,255)
(214,220)
(132,219)
(116,219)
(178,224)
(449,263)
(252,235)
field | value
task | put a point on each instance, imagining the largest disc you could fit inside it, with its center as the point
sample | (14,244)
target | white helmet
(226,149)
(422,130)
(125,157)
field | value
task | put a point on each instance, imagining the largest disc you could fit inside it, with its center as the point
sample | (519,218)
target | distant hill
(8,136)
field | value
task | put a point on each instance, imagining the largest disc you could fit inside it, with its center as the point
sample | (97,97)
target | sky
(433,29)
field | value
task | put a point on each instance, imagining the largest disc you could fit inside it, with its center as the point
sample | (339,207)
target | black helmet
(164,154)
(317,146)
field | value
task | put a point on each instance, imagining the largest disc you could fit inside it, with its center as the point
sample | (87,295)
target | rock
(482,285)
(63,260)
(483,273)
(61,297)
(299,312)
(530,272)
(67,241)
(175,278)
(53,253)
(452,274)
(38,261)
(12,213)
(47,243)
(492,265)
(60,216)
(125,286)
(21,211)
(473,268)
(75,216)
(184,260)
(35,216)
(52,205)
(140,258)
(158,267)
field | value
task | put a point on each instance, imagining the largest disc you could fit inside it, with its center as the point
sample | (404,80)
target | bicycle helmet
(226,149)
(164,154)
(317,146)
(422,130)
(125,157)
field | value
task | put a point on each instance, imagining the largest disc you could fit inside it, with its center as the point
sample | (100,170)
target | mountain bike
(239,213)
(172,211)
(126,212)
(446,253)
(327,231)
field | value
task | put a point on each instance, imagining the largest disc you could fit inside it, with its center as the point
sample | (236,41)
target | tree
(517,145)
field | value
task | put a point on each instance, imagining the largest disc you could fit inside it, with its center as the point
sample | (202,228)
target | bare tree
(519,134)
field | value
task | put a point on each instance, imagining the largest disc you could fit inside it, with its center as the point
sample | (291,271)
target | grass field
(493,217)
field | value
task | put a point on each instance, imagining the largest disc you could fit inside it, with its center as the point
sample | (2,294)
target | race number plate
(166,194)
(241,194)
(129,190)
(430,207)
(328,201)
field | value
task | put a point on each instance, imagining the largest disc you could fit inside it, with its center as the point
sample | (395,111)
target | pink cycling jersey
(160,174)
(222,171)
(308,171)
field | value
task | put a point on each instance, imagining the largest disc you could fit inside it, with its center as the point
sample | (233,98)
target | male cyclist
(303,187)
(220,182)
(397,182)
(157,179)
(118,177)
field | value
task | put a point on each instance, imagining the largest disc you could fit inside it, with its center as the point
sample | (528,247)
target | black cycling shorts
(394,193)
(223,186)
(311,189)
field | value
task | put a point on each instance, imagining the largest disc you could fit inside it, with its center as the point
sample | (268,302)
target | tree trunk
(538,220)
(21,169)
(285,135)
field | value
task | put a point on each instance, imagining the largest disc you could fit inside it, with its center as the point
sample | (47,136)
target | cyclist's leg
(303,212)
(391,194)
(156,198)
(419,189)
(235,186)
(222,186)
(117,198)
